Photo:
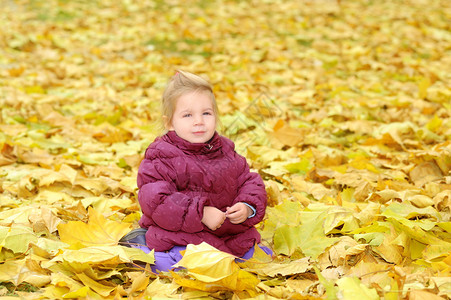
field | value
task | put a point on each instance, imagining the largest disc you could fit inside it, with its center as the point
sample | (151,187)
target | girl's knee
(157,240)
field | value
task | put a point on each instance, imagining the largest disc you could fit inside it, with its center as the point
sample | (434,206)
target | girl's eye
(207,113)
(186,115)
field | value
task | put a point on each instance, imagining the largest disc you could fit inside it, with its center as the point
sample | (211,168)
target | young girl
(193,186)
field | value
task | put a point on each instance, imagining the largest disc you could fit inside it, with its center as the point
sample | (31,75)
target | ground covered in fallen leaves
(343,107)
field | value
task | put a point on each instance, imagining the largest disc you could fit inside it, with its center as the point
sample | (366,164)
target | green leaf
(301,167)
(331,291)
(436,247)
(287,239)
(309,236)
(352,289)
(408,211)
(17,238)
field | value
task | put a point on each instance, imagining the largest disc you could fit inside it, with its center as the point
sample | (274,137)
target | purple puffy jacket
(177,179)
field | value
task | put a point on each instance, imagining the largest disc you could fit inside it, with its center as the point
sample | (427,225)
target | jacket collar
(212,146)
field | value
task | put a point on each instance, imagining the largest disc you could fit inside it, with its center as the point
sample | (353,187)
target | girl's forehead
(194,100)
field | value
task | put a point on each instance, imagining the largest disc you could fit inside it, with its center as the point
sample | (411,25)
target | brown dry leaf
(273,191)
(47,217)
(6,155)
(425,172)
(419,294)
(373,272)
(443,200)
(107,133)
(317,190)
(443,285)
(286,135)
(339,253)
(389,251)
(158,288)
(274,269)
(96,186)
(37,156)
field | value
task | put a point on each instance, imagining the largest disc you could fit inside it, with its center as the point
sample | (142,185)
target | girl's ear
(167,123)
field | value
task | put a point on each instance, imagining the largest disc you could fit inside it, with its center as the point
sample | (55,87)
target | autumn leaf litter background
(343,107)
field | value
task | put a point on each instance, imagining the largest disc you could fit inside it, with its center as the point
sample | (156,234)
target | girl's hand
(213,218)
(238,213)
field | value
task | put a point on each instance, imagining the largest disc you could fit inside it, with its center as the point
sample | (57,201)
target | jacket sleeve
(163,203)
(251,190)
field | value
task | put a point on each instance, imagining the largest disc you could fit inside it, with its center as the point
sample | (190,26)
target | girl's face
(194,118)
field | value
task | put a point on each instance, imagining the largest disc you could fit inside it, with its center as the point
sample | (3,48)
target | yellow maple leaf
(214,270)
(111,255)
(102,289)
(423,86)
(238,281)
(139,283)
(206,263)
(97,232)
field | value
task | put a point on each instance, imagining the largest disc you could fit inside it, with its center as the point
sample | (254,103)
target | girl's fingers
(230,211)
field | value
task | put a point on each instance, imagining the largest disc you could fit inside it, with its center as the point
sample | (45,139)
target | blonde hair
(183,83)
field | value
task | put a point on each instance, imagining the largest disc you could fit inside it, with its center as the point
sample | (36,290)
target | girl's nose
(199,120)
